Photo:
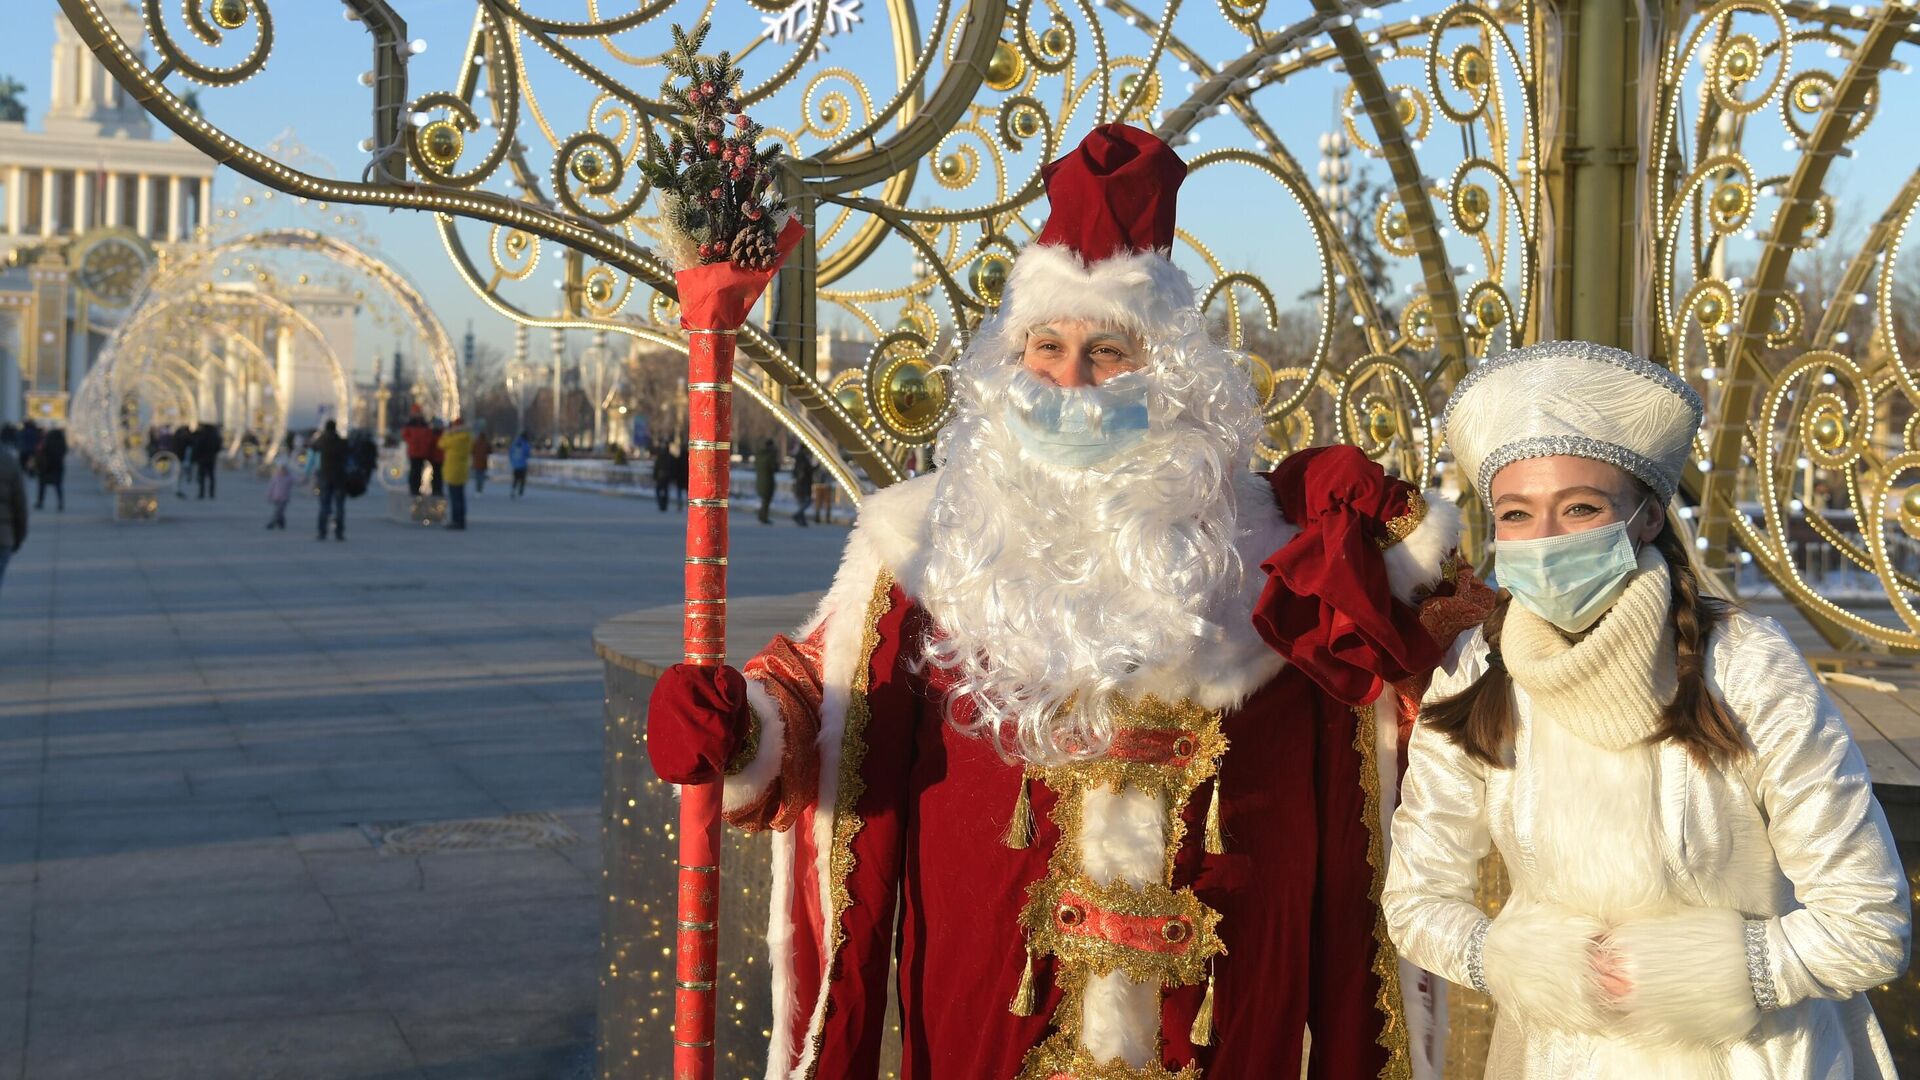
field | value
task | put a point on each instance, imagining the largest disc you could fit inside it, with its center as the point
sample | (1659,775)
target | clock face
(112,270)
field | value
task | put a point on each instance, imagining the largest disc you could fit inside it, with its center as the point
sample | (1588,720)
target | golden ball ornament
(1055,41)
(1730,199)
(1005,67)
(1711,310)
(1910,504)
(1128,84)
(1472,69)
(1260,374)
(1408,108)
(599,290)
(1026,123)
(442,143)
(229,14)
(851,402)
(1490,311)
(989,277)
(951,166)
(915,393)
(588,165)
(1828,433)
(1740,65)
(1381,426)
(1396,226)
(1475,204)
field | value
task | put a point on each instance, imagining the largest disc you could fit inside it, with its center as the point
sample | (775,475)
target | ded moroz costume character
(1084,734)
(1746,900)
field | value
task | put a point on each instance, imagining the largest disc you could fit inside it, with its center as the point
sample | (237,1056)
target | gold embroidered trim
(846,820)
(749,746)
(1400,528)
(1386,960)
(1080,957)
(1063,1056)
(1195,928)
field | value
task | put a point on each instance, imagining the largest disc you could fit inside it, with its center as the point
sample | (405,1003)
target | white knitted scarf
(1610,686)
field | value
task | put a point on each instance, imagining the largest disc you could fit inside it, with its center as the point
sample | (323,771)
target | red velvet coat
(890,819)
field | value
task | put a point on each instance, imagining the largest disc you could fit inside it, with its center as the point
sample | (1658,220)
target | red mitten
(695,722)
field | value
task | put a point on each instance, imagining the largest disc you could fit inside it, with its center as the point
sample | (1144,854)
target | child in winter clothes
(279,491)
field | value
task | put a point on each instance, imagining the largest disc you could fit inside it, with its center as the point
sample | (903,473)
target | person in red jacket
(419,439)
(1094,736)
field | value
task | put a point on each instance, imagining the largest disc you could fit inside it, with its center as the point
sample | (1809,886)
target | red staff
(727,237)
(714,301)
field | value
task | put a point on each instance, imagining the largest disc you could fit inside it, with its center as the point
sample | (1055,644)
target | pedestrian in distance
(456,463)
(419,439)
(482,450)
(206,459)
(663,469)
(766,469)
(182,444)
(13,506)
(518,455)
(30,434)
(437,457)
(327,458)
(51,469)
(802,484)
(680,467)
(279,492)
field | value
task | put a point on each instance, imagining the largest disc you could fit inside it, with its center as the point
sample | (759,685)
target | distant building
(85,202)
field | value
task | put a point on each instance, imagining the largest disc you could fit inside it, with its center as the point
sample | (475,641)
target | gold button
(1070,915)
(1183,746)
(1175,931)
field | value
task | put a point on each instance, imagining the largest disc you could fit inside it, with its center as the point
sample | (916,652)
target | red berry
(713,146)
(706,88)
(734,174)
(717,194)
(753,214)
(719,247)
(742,122)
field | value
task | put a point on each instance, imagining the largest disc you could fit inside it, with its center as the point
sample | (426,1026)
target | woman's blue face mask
(1571,579)
(1078,427)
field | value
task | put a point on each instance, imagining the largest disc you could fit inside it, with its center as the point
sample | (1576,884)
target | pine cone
(754,249)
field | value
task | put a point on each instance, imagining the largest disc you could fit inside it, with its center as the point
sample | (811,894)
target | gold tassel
(1202,1031)
(1020,829)
(1023,997)
(1215,845)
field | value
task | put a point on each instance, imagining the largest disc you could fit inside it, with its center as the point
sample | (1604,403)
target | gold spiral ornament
(905,396)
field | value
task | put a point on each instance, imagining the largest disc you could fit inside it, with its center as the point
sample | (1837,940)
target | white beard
(1054,589)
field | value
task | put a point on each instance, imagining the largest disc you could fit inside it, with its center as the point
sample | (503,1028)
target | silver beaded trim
(1660,480)
(1764,994)
(1476,955)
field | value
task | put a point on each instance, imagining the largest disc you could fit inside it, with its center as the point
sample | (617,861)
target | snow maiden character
(1703,883)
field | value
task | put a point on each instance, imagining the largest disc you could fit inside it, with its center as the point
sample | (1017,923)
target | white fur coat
(1777,897)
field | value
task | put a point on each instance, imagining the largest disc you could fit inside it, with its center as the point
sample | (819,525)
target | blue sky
(311,90)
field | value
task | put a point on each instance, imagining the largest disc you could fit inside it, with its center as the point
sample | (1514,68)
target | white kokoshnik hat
(1578,399)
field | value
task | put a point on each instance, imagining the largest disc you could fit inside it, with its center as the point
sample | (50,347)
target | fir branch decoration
(715,182)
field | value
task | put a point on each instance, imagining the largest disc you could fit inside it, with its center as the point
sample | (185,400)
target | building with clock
(88,201)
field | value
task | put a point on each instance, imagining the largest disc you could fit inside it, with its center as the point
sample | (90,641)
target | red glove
(696,720)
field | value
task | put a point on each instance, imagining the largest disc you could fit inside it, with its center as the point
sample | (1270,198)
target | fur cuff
(1688,976)
(744,787)
(1142,290)
(1539,962)
(1414,565)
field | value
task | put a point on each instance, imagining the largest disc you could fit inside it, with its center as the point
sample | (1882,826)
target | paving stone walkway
(203,726)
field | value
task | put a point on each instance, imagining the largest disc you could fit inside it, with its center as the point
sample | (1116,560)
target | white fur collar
(893,522)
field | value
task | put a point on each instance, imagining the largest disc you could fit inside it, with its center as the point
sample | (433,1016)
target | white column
(48,226)
(143,208)
(206,204)
(113,199)
(82,199)
(173,209)
(16,199)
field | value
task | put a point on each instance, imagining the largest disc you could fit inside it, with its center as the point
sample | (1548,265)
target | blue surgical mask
(1080,426)
(1569,580)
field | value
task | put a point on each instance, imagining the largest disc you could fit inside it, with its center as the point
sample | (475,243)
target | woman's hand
(1606,971)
